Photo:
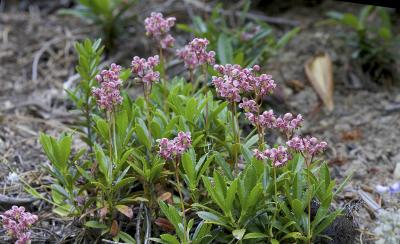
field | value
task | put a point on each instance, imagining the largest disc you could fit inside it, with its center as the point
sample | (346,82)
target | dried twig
(40,52)
(148,226)
(6,202)
(138,218)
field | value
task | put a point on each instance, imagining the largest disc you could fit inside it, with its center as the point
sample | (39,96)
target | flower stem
(236,136)
(146,92)
(114,136)
(178,186)
(309,204)
(206,93)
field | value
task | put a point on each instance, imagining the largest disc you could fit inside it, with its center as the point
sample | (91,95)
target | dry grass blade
(319,73)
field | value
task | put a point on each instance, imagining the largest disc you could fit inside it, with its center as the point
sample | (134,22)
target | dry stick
(139,216)
(148,226)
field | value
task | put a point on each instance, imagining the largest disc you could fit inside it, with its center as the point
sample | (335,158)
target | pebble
(396,173)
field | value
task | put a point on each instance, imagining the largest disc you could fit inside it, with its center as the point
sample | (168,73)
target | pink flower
(144,69)
(279,156)
(195,54)
(287,123)
(233,81)
(259,154)
(17,223)
(308,145)
(108,95)
(158,27)
(248,105)
(167,41)
(172,149)
(266,120)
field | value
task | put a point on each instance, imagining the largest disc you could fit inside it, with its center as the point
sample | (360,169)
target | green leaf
(224,50)
(285,39)
(218,198)
(365,12)
(103,161)
(191,109)
(293,235)
(170,239)
(213,219)
(230,196)
(199,24)
(274,241)
(385,33)
(351,21)
(297,207)
(126,237)
(95,224)
(343,184)
(188,166)
(254,235)
(326,222)
(103,129)
(142,133)
(238,234)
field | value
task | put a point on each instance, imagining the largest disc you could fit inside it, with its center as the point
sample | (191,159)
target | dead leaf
(103,212)
(296,85)
(114,228)
(319,73)
(125,210)
(165,196)
(352,135)
(164,224)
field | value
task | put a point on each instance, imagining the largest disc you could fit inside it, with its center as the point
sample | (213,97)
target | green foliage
(374,42)
(245,44)
(89,59)
(109,15)
(101,186)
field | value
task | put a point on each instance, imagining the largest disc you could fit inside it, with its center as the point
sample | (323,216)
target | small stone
(396,173)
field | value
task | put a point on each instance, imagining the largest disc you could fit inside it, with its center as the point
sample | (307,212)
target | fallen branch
(7,202)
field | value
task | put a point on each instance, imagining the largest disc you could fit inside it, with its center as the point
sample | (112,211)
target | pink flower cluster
(265,120)
(144,69)
(172,149)
(249,105)
(195,54)
(286,123)
(158,27)
(235,80)
(279,156)
(308,145)
(17,223)
(108,95)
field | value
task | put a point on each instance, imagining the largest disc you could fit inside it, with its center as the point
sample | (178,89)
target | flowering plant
(109,15)
(245,42)
(17,223)
(177,160)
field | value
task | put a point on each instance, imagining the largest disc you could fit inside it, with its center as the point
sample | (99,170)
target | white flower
(12,177)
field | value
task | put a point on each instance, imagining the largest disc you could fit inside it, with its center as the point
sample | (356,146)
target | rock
(396,173)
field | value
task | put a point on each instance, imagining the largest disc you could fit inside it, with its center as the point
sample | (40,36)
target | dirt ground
(37,58)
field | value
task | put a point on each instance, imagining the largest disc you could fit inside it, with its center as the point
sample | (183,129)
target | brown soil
(37,57)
